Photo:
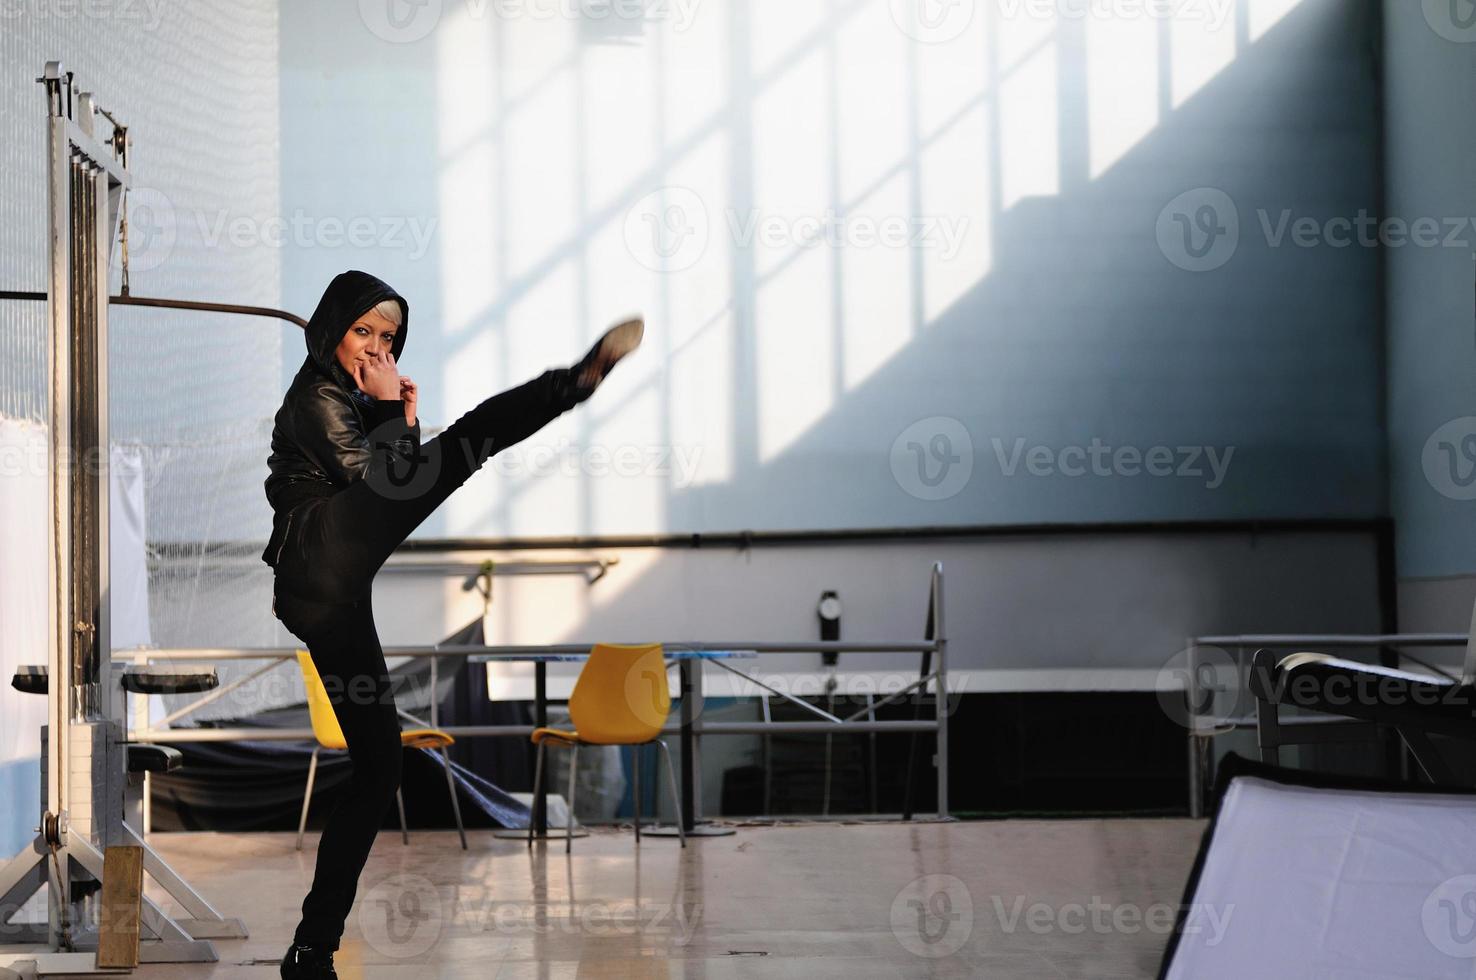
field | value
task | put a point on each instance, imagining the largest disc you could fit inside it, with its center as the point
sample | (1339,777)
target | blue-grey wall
(1431,150)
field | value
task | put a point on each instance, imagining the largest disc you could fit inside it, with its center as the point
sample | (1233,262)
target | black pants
(322,594)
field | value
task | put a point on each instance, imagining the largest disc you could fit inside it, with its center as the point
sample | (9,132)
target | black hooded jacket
(321,437)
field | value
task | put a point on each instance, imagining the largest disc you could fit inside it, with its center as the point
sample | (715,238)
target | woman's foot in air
(617,342)
(308,963)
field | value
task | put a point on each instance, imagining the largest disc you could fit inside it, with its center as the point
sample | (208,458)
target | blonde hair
(390,310)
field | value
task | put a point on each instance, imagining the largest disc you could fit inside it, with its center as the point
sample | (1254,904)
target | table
(690,691)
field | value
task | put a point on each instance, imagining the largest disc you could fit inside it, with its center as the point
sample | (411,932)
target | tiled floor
(1055,899)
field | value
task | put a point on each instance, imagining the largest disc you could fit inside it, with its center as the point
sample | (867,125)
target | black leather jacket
(328,433)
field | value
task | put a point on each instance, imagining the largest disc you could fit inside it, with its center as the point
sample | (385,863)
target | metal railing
(932,681)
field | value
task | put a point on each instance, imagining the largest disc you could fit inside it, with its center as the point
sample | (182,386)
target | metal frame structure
(933,677)
(86,765)
(1274,731)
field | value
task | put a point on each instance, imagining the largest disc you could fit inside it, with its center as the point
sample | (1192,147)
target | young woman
(349,481)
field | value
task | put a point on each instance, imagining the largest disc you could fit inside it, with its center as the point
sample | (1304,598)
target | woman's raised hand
(410,395)
(378,377)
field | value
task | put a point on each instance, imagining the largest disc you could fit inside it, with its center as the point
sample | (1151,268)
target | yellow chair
(330,736)
(620,698)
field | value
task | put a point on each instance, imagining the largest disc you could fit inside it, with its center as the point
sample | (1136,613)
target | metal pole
(689,804)
(942,703)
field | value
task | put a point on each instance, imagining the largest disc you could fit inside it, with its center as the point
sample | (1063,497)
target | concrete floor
(1089,898)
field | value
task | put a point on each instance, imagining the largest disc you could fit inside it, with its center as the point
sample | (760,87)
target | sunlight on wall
(954,232)
(628,477)
(1029,129)
(1266,14)
(872,114)
(1122,86)
(539,150)
(778,29)
(696,81)
(619,110)
(702,383)
(792,325)
(871,92)
(1202,48)
(793,309)
(876,290)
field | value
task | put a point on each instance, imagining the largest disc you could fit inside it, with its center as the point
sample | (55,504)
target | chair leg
(573,768)
(635,786)
(676,798)
(455,803)
(537,785)
(307,797)
(404,831)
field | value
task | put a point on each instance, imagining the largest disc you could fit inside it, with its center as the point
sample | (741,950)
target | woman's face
(369,335)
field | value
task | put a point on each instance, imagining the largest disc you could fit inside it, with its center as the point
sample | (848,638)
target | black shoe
(617,342)
(308,963)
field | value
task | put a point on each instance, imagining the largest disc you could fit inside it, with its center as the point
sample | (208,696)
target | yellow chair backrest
(325,722)
(621,697)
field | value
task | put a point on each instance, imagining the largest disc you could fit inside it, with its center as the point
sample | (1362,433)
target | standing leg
(346,650)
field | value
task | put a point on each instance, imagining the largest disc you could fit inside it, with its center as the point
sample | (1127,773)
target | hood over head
(349,296)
